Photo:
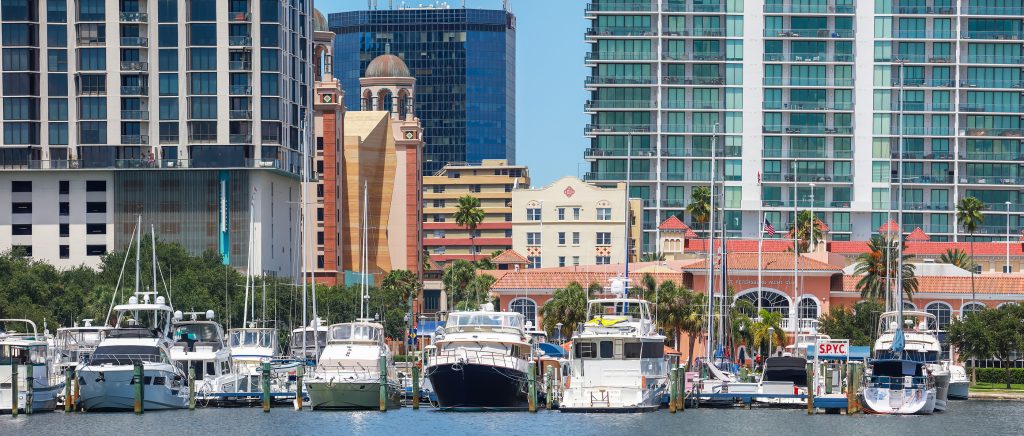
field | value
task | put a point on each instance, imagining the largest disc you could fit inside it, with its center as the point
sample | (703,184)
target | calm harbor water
(964,418)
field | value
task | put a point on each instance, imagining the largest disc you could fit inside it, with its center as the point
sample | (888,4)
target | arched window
(403,104)
(807,309)
(367,101)
(384,100)
(771,300)
(909,306)
(970,308)
(942,312)
(525,306)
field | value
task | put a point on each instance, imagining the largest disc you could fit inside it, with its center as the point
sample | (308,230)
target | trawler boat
(347,375)
(72,345)
(252,346)
(618,361)
(480,362)
(142,335)
(922,345)
(315,340)
(23,347)
(783,375)
(899,387)
(200,345)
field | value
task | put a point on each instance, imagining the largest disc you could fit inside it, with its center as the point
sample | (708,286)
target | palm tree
(872,265)
(808,230)
(646,288)
(700,205)
(406,284)
(968,214)
(469,215)
(958,258)
(477,292)
(653,257)
(768,329)
(456,278)
(568,307)
(671,309)
(693,321)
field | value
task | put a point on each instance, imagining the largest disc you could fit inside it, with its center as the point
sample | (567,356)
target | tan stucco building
(571,222)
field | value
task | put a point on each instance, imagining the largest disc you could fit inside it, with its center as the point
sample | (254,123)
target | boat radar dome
(160,300)
(133,300)
(209,314)
(178,315)
(618,286)
(487,307)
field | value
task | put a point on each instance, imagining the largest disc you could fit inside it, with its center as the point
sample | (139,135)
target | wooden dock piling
(549,380)
(68,400)
(672,374)
(76,392)
(383,363)
(415,386)
(28,392)
(532,381)
(191,387)
(138,379)
(265,371)
(810,388)
(14,388)
(299,372)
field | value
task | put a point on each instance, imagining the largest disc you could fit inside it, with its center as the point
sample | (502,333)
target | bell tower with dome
(388,86)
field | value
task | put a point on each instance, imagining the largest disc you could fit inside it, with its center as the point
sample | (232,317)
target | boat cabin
(255,337)
(614,348)
(607,312)
(459,322)
(356,332)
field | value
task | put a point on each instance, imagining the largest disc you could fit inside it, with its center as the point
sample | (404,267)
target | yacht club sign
(763,282)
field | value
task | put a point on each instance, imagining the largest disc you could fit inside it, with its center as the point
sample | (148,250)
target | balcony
(991,180)
(1004,35)
(974,107)
(807,57)
(620,80)
(677,203)
(701,56)
(940,155)
(807,105)
(996,84)
(240,65)
(618,104)
(808,130)
(169,138)
(135,139)
(715,32)
(621,7)
(926,131)
(134,41)
(134,17)
(674,7)
(788,204)
(202,137)
(992,59)
(239,17)
(92,40)
(134,115)
(690,128)
(808,9)
(691,104)
(923,179)
(923,10)
(993,156)
(689,80)
(620,56)
(134,66)
(1000,11)
(240,114)
(617,152)
(998,132)
(1001,207)
(240,90)
(609,176)
(237,138)
(921,206)
(619,31)
(807,154)
(240,41)
(923,34)
(919,58)
(807,81)
(134,90)
(701,152)
(809,33)
(809,178)
(617,128)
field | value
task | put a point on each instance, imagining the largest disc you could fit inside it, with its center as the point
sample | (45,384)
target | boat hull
(899,401)
(959,390)
(466,386)
(44,399)
(325,395)
(111,390)
(612,400)
(941,389)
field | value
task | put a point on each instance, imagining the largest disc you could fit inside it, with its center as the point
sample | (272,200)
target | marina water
(964,418)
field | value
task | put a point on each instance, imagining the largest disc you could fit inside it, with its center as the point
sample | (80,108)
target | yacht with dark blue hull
(480,362)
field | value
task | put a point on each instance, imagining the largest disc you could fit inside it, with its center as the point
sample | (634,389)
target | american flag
(769,228)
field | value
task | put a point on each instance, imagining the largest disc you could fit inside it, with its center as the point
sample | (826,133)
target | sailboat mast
(899,211)
(138,249)
(302,243)
(364,256)
(629,160)
(711,249)
(152,240)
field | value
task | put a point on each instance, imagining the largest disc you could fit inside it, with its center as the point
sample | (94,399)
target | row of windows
(601,238)
(65,230)
(535,261)
(64,250)
(602,214)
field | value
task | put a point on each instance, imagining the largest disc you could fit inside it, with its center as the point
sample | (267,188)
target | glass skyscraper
(812,105)
(464,64)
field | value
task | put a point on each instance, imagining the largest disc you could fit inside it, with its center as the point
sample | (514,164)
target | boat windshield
(356,332)
(126,355)
(23,353)
(78,337)
(199,332)
(319,336)
(150,319)
(252,338)
(513,319)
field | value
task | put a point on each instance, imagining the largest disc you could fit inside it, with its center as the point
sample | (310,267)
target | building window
(533,214)
(525,306)
(319,214)
(65,208)
(604,214)
(1006,268)
(320,238)
(561,260)
(474,188)
(508,233)
(576,214)
(65,251)
(21,186)
(439,189)
(95,250)
(533,238)
(64,187)
(943,314)
(561,238)
(320,261)
(95,207)
(439,250)
(977,269)
(438,203)
(575,261)
(95,186)
(603,260)
(575,238)
(65,230)
(438,233)
(438,218)
(23,250)
(604,238)
(508,217)
(534,261)
(21,229)
(21,207)
(561,214)
(95,229)
(508,188)
(807,309)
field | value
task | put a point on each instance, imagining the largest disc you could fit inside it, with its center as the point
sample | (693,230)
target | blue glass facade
(464,64)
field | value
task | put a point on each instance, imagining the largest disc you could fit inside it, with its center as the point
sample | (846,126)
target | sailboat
(141,335)
(348,373)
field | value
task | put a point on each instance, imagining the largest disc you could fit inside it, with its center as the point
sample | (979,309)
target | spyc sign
(832,348)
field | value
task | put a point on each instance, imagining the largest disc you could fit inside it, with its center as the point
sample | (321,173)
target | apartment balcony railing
(983,83)
(604,176)
(991,180)
(619,31)
(808,33)
(620,56)
(691,104)
(925,131)
(809,9)
(807,81)
(992,10)
(240,114)
(693,177)
(134,17)
(240,90)
(993,34)
(923,34)
(807,57)
(925,205)
(715,32)
(134,115)
(135,139)
(674,203)
(701,152)
(134,41)
(134,90)
(807,154)
(134,66)
(918,58)
(808,130)
(922,179)
(918,82)
(998,230)
(1001,132)
(821,178)
(239,17)
(202,137)
(617,152)
(922,155)
(238,138)
(91,40)
(690,128)
(818,204)
(618,128)
(683,56)
(1001,207)
(690,80)
(621,7)
(240,41)
(169,138)
(991,59)
(990,156)
(921,107)
(975,107)
(620,80)
(807,105)
(239,65)
(674,7)
(923,10)
(619,104)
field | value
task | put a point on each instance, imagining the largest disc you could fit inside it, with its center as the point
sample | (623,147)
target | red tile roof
(918,235)
(744,245)
(983,284)
(934,248)
(509,257)
(889,227)
(673,223)
(769,262)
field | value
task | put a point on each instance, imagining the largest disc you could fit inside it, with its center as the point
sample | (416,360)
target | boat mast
(248,267)
(711,251)
(899,211)
(138,249)
(364,256)
(302,244)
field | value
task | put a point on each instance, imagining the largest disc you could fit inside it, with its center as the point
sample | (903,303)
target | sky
(549,80)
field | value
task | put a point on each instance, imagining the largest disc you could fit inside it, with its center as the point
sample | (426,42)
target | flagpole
(760,243)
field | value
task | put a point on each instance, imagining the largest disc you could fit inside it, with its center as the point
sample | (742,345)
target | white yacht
(347,374)
(618,361)
(22,346)
(200,344)
(142,335)
(906,376)
(250,347)
(73,344)
(959,383)
(921,338)
(315,340)
(480,361)
(899,387)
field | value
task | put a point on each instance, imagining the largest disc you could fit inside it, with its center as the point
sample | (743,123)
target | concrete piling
(265,371)
(138,379)
(383,363)
(415,387)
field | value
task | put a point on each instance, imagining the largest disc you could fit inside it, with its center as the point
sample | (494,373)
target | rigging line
(120,275)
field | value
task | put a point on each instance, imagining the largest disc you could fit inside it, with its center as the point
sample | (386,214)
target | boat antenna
(120,276)
(138,251)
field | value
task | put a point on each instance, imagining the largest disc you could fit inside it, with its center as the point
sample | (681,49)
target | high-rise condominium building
(811,105)
(191,113)
(464,64)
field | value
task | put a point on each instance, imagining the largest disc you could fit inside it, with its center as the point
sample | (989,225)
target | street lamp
(1007,269)
(558,332)
(771,338)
